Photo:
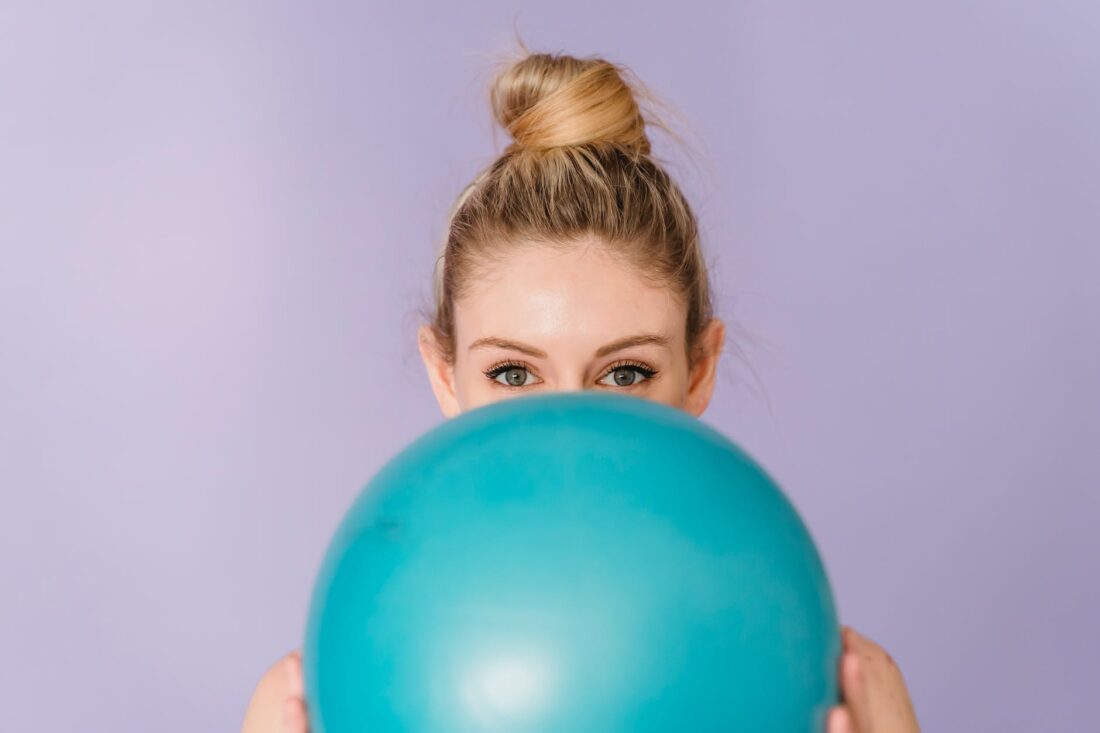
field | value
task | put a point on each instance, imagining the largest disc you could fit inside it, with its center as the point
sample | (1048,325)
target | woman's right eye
(513,377)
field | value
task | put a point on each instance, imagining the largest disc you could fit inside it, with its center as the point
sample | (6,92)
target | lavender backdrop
(218,222)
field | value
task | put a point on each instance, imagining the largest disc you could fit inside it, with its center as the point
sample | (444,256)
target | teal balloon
(580,562)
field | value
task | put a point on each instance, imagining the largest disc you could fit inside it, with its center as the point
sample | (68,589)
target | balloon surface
(574,562)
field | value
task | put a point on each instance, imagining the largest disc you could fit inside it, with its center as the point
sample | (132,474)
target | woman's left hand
(875,697)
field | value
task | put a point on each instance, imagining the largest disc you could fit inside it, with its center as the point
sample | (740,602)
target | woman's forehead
(572,297)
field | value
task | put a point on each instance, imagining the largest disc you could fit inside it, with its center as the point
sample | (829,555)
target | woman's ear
(440,373)
(701,379)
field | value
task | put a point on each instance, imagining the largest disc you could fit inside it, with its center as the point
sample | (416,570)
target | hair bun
(550,101)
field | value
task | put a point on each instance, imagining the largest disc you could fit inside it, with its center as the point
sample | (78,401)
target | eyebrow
(639,340)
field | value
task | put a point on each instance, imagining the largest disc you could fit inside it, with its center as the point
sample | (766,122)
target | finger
(294,716)
(839,721)
(294,684)
(870,650)
(859,643)
(885,695)
(856,693)
(846,633)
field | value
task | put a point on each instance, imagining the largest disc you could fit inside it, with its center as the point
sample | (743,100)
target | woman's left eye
(628,376)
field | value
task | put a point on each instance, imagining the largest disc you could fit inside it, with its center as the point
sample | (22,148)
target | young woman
(573,262)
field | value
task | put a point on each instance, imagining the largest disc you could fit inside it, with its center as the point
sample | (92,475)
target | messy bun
(579,166)
(549,101)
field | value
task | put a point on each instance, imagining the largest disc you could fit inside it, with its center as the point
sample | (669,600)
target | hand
(294,705)
(875,698)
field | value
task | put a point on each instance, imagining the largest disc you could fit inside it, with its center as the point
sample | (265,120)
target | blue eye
(515,377)
(628,375)
(513,373)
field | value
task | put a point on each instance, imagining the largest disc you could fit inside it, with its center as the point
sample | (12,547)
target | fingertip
(865,642)
(839,721)
(849,666)
(288,672)
(848,637)
(294,716)
(851,683)
(293,667)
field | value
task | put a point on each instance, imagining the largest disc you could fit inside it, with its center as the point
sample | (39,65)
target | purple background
(218,223)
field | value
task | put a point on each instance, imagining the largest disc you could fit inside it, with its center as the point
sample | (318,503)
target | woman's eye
(513,377)
(627,376)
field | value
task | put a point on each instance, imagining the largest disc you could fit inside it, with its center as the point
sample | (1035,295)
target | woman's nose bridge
(571,379)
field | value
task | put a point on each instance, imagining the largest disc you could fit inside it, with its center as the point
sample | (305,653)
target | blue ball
(575,562)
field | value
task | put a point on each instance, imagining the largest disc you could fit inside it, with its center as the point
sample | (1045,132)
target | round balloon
(575,562)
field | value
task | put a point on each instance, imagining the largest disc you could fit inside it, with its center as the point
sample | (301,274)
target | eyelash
(499,368)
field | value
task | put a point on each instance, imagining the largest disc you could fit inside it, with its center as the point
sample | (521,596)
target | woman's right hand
(278,704)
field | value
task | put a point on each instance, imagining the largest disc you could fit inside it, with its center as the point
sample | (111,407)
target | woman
(573,262)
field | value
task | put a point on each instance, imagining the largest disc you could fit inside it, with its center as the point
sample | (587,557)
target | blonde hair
(579,166)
